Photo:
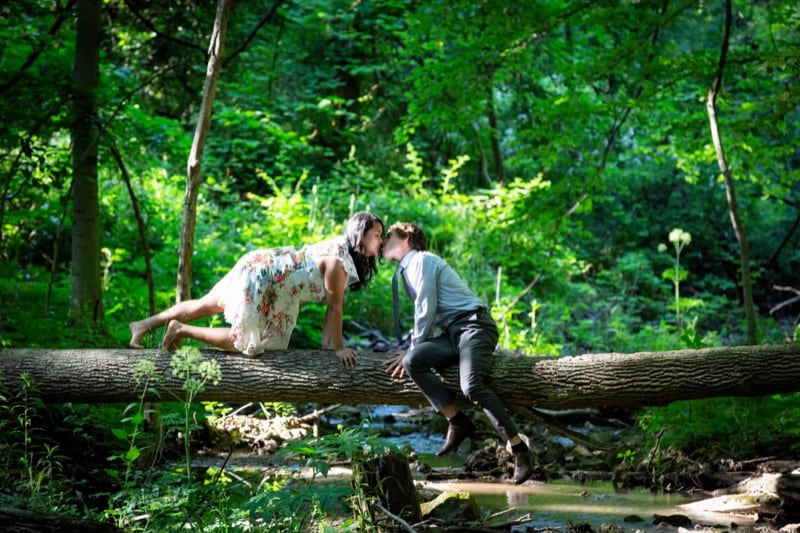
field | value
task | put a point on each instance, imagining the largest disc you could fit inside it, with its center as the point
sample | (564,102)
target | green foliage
(348,444)
(292,501)
(545,159)
(728,428)
(32,466)
(289,508)
(219,501)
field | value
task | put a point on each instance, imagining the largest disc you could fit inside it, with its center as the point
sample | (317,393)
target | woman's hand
(347,356)
(393,366)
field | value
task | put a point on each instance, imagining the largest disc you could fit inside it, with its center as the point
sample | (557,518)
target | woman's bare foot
(172,339)
(138,331)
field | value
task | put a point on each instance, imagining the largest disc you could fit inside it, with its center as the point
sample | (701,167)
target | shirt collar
(407,259)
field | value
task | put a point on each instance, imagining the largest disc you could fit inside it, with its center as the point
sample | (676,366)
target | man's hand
(347,356)
(393,366)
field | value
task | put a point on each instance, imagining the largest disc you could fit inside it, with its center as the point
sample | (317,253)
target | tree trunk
(193,178)
(301,376)
(140,225)
(494,137)
(87,303)
(730,192)
(24,521)
(384,484)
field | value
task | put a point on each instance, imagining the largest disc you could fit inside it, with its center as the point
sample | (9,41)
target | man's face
(395,248)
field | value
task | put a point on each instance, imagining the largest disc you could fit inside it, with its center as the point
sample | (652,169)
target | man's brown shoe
(522,467)
(455,436)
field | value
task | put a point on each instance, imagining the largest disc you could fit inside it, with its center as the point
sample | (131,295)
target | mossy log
(299,376)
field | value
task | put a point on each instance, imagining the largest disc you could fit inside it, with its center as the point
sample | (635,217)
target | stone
(452,506)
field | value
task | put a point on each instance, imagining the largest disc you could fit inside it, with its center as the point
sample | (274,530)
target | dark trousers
(468,341)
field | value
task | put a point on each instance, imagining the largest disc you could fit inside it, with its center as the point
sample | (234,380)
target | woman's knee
(208,305)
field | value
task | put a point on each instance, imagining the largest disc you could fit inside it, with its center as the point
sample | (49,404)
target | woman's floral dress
(263,292)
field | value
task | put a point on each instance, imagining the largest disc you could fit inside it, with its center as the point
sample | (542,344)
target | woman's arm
(335,279)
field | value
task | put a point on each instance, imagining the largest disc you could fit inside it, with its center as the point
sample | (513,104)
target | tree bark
(385,483)
(727,176)
(494,137)
(193,178)
(22,521)
(87,303)
(299,376)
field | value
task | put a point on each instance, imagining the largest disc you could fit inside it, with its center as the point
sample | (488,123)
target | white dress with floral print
(263,292)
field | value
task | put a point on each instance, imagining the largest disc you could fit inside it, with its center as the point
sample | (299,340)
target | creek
(559,504)
(555,504)
(563,503)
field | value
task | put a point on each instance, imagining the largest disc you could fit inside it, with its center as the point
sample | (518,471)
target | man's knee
(408,362)
(416,359)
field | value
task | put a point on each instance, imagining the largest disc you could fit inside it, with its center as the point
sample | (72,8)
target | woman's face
(372,240)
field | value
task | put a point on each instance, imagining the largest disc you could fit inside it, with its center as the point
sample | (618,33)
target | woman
(261,295)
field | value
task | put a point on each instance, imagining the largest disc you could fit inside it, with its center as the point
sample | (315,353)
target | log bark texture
(300,376)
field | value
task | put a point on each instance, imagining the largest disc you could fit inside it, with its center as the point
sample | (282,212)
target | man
(468,338)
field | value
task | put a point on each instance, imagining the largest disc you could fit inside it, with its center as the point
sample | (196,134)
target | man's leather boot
(522,466)
(455,436)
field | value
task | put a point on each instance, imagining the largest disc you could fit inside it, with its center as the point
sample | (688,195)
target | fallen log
(301,376)
(771,494)
(24,521)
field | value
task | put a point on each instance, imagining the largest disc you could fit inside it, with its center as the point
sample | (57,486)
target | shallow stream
(556,504)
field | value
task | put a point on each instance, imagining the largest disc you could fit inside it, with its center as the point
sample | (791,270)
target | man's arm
(423,276)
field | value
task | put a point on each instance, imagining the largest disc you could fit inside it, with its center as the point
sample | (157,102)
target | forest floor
(578,447)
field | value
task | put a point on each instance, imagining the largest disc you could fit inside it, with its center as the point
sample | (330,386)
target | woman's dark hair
(355,229)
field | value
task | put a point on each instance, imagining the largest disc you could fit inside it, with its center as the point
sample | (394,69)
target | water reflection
(554,504)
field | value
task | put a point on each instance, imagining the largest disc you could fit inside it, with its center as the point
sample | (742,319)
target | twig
(499,513)
(239,410)
(405,525)
(785,302)
(240,478)
(505,525)
(530,285)
(553,425)
(652,455)
(319,412)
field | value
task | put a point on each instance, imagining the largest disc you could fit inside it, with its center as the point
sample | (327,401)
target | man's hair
(414,234)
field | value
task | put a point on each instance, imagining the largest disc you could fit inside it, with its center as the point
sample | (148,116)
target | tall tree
(733,206)
(87,302)
(215,57)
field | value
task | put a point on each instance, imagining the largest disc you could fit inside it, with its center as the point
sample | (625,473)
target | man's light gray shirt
(438,292)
